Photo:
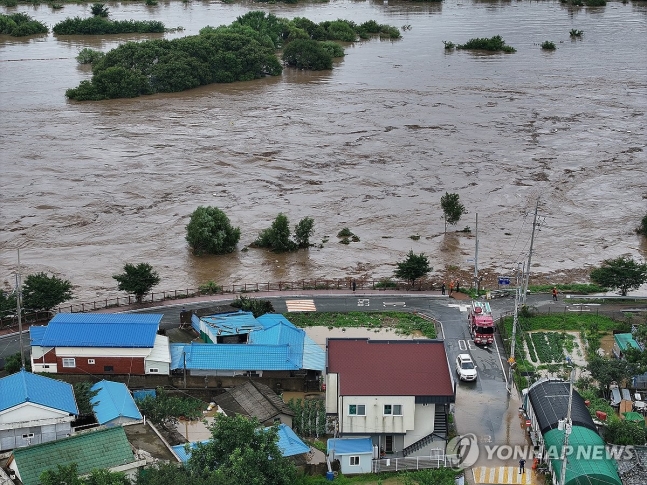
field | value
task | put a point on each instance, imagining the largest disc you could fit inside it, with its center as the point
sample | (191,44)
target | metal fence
(437,459)
(235,289)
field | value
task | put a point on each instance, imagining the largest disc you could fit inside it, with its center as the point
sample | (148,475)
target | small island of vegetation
(245,50)
(100,24)
(493,44)
(21,25)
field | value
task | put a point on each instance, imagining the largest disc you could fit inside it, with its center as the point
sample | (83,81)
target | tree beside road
(621,273)
(137,279)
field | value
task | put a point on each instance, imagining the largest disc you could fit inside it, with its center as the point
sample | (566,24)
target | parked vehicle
(481,323)
(465,367)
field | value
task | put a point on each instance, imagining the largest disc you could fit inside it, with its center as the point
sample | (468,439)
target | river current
(371,145)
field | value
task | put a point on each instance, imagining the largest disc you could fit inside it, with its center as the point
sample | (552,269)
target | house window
(90,361)
(388,443)
(46,366)
(69,362)
(354,461)
(393,410)
(356,410)
(108,368)
(28,436)
(153,370)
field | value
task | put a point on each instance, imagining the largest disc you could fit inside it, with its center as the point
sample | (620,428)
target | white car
(465,367)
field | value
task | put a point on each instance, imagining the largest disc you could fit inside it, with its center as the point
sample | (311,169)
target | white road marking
(462,308)
(300,305)
(363,302)
(394,303)
(501,475)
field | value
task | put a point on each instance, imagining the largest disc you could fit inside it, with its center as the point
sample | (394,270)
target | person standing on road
(522,466)
(442,288)
(554,293)
(451,288)
(458,283)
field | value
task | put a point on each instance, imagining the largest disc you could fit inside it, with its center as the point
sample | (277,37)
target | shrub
(642,229)
(345,232)
(21,25)
(343,30)
(99,10)
(449,44)
(100,25)
(493,44)
(307,54)
(548,45)
(333,48)
(88,56)
(277,236)
(210,287)
(576,33)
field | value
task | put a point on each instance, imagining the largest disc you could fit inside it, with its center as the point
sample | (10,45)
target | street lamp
(568,425)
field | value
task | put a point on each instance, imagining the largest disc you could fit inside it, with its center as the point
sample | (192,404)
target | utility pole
(511,359)
(19,311)
(567,429)
(476,257)
(532,240)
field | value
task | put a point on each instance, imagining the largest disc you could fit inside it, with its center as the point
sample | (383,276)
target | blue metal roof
(289,444)
(24,387)
(101,330)
(232,357)
(232,323)
(36,334)
(113,401)
(143,393)
(314,357)
(345,446)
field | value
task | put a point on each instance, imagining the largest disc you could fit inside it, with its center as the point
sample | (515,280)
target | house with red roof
(397,392)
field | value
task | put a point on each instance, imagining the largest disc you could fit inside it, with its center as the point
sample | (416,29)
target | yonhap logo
(462,451)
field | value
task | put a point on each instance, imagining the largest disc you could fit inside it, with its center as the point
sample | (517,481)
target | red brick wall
(120,365)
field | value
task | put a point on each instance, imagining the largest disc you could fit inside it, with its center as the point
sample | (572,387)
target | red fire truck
(480,323)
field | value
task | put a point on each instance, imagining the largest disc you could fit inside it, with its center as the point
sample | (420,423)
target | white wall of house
(362,463)
(158,361)
(29,411)
(375,421)
(140,352)
(33,433)
(424,418)
(37,367)
(331,393)
(37,352)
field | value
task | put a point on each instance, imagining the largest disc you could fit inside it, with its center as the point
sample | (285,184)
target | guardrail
(236,289)
(608,297)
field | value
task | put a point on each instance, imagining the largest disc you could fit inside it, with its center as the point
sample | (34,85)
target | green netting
(635,417)
(588,464)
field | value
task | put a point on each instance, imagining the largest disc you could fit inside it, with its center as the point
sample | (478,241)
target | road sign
(504,281)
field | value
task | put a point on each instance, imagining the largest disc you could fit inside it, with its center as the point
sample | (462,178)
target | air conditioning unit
(12,475)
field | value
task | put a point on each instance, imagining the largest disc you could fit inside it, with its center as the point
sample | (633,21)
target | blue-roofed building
(239,344)
(113,405)
(289,444)
(111,343)
(355,455)
(34,409)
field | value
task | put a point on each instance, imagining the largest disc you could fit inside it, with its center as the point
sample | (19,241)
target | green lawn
(404,323)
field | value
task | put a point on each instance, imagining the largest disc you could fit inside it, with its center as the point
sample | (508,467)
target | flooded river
(371,145)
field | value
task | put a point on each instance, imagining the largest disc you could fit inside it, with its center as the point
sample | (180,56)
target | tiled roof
(101,330)
(113,401)
(253,399)
(102,449)
(390,367)
(345,446)
(24,387)
(232,357)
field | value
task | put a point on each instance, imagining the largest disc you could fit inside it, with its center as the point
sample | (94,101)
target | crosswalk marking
(462,308)
(301,305)
(502,475)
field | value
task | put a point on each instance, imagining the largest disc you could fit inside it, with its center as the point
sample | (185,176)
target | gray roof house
(257,400)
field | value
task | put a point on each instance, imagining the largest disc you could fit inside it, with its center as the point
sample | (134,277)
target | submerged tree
(452,209)
(210,232)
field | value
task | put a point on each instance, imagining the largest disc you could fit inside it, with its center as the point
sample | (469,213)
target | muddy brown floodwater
(371,145)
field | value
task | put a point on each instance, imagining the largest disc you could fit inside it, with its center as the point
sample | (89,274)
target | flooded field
(371,145)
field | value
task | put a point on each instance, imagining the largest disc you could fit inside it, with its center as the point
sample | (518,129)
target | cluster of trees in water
(101,25)
(242,51)
(21,25)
